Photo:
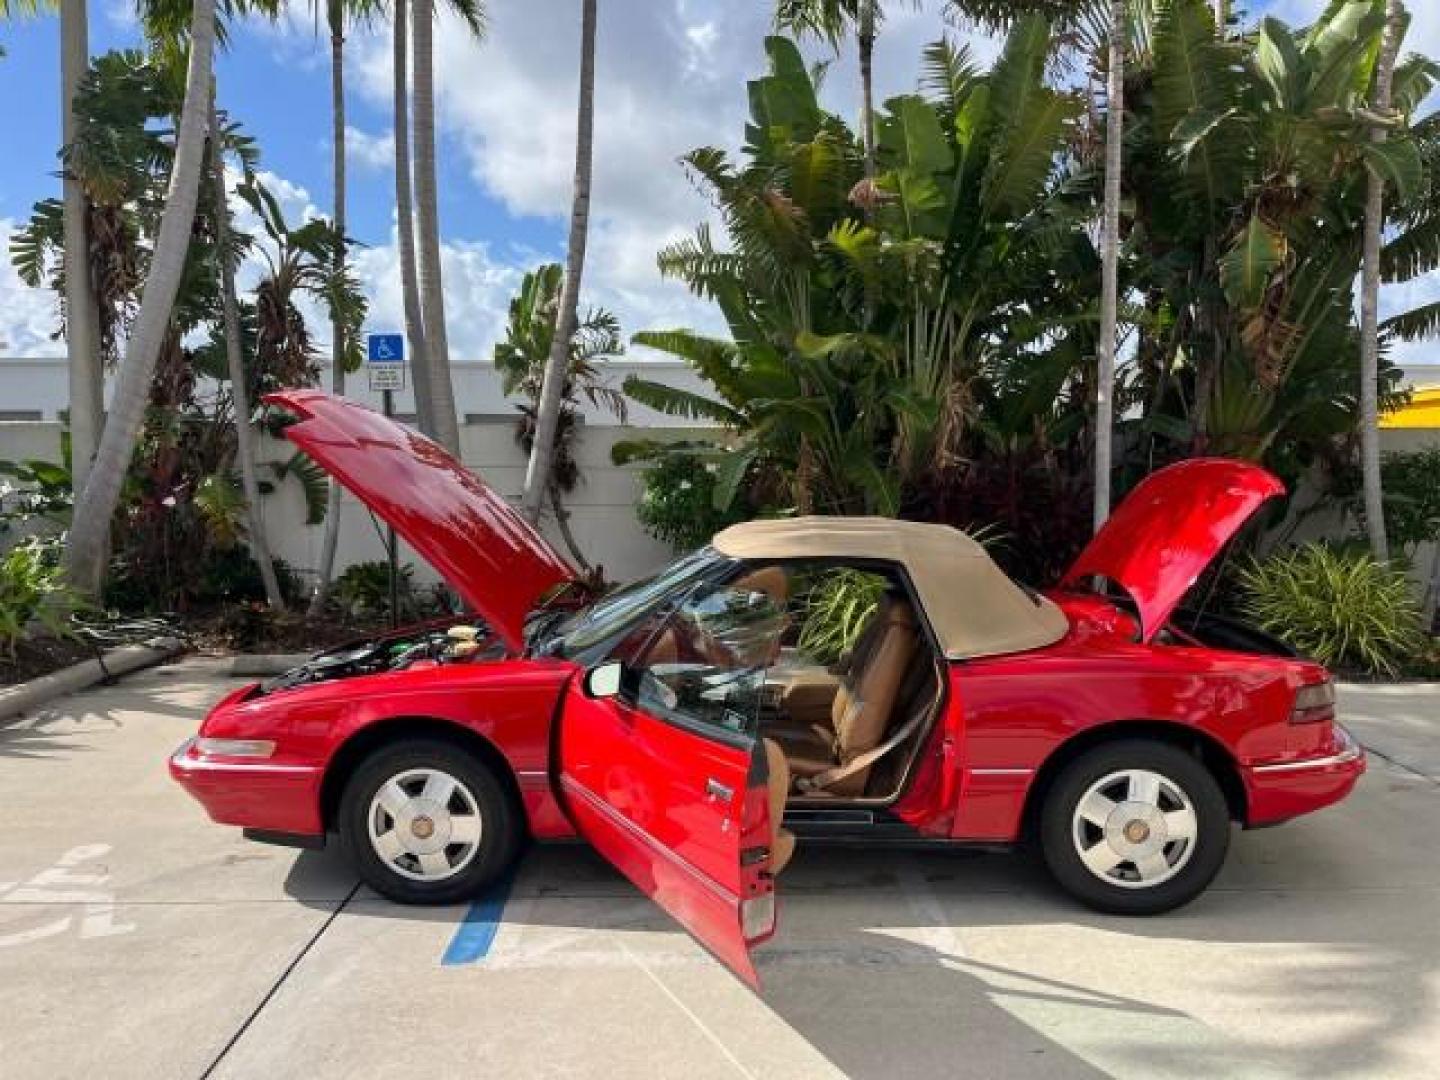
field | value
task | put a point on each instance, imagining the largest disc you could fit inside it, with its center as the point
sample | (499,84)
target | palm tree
(85,553)
(861,351)
(338,14)
(432,286)
(1395,22)
(235,366)
(1110,261)
(547,415)
(82,344)
(522,358)
(82,331)
(832,21)
(405,226)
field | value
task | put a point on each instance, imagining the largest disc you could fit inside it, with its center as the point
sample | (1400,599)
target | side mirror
(604,680)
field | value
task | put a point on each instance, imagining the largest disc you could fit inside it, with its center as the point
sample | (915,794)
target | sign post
(385,367)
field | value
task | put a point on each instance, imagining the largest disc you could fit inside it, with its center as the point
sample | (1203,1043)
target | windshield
(610,614)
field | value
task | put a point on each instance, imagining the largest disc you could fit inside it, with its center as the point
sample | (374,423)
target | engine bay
(454,643)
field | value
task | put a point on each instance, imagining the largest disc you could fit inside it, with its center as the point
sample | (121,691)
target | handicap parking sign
(386,348)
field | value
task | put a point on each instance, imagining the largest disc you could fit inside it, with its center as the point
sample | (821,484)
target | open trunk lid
(1159,541)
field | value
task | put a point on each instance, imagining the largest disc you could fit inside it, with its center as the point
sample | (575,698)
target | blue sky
(671,77)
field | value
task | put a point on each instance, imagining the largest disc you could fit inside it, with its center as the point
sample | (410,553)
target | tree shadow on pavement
(894,964)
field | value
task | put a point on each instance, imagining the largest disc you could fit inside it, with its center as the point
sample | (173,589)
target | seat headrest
(770,580)
(895,611)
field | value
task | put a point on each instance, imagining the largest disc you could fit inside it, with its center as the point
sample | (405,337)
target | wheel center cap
(423,828)
(1136,831)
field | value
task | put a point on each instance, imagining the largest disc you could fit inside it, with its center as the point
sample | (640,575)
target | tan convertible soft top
(974,608)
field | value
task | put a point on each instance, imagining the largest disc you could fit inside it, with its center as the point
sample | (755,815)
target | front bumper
(265,796)
(1277,791)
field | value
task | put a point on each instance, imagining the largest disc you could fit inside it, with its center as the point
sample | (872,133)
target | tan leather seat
(865,702)
(773,581)
(782,841)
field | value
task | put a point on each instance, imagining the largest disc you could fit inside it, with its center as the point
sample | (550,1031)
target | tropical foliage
(866,339)
(924,345)
(1339,606)
(677,497)
(1247,175)
(32,589)
(521,358)
(837,608)
(181,503)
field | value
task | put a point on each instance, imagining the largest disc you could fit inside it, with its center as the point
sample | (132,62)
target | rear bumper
(263,796)
(1280,790)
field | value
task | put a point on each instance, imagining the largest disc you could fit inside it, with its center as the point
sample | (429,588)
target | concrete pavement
(137,939)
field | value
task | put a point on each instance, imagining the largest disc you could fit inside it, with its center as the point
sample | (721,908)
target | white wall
(39,385)
(602,507)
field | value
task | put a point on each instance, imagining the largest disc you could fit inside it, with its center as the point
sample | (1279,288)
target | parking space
(136,939)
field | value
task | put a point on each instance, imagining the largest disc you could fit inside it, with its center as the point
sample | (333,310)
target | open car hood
(488,553)
(1169,529)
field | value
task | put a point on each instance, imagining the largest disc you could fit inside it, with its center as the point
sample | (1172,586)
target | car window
(706,663)
(611,614)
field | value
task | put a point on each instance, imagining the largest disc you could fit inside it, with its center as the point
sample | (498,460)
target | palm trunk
(562,522)
(326,570)
(405,228)
(1222,16)
(86,552)
(239,386)
(866,36)
(432,287)
(1370,298)
(1432,588)
(1110,262)
(82,318)
(557,366)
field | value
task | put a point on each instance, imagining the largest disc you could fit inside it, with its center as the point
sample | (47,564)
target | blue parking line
(476,933)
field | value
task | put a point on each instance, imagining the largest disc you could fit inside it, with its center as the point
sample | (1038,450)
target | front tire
(424,822)
(1135,827)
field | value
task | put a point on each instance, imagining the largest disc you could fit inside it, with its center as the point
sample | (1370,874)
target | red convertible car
(795,681)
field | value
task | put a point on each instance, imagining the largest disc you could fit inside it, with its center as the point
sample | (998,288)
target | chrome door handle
(716,790)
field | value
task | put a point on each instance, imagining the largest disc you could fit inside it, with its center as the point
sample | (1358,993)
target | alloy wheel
(1134,828)
(424,824)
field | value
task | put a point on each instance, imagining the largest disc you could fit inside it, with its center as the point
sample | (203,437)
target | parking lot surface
(139,940)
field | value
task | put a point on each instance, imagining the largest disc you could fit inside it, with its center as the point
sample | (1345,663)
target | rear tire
(1135,827)
(424,822)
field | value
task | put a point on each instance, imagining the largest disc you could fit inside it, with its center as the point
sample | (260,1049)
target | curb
(245,665)
(117,662)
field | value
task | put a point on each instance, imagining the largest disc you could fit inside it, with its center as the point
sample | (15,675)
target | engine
(454,644)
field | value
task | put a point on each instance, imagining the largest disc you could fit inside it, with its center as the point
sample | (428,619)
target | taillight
(1314,703)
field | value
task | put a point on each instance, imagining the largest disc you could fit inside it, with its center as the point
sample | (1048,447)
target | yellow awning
(1422,412)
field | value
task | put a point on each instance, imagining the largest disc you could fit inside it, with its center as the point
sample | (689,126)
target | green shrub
(836,611)
(231,575)
(1410,483)
(33,591)
(1341,607)
(44,493)
(364,589)
(677,505)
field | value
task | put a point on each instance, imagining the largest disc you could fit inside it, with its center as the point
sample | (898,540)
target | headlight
(255,748)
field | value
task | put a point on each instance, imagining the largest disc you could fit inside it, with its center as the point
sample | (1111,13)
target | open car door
(662,769)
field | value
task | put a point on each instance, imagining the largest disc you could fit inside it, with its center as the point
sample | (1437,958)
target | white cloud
(29,317)
(478,289)
(373,151)
(670,77)
(478,286)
